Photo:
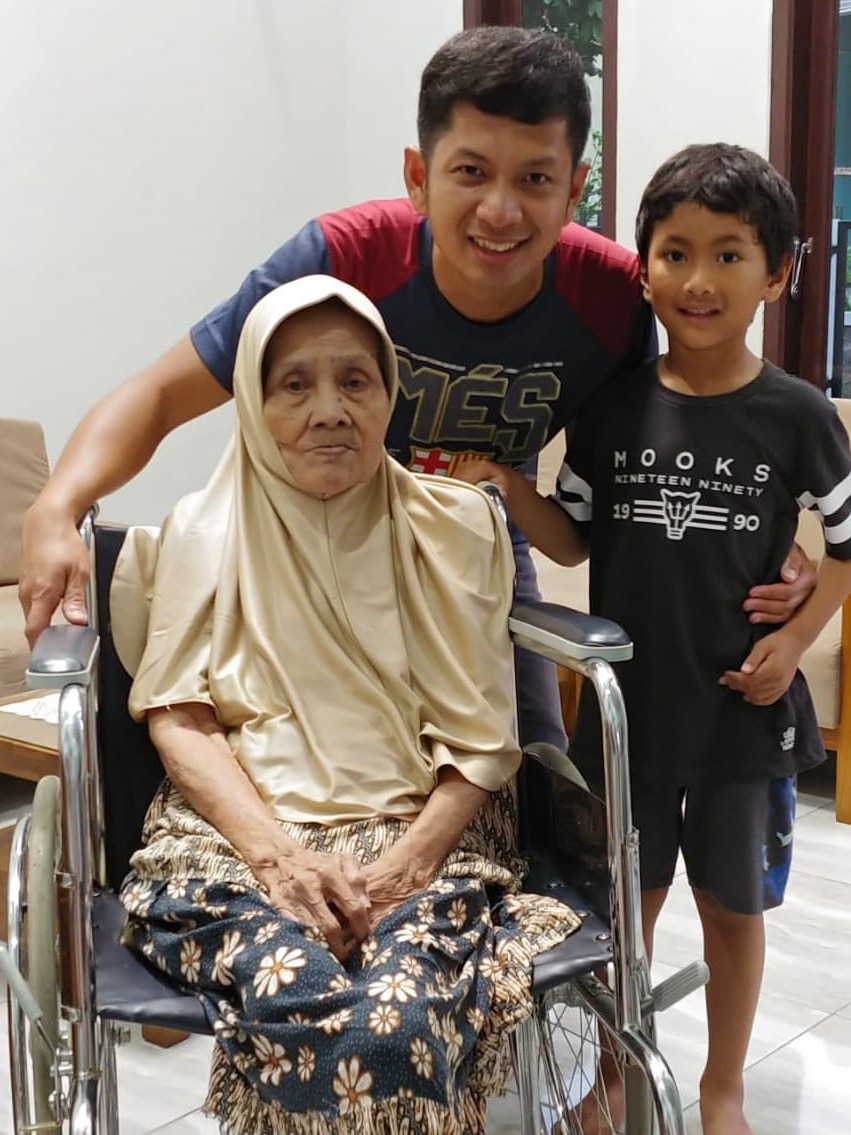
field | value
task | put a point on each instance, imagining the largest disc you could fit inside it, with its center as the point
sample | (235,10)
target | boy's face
(706,275)
(497,193)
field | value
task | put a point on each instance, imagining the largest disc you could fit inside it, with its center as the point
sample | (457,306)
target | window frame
(509,13)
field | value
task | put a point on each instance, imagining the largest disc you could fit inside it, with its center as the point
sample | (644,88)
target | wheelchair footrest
(677,986)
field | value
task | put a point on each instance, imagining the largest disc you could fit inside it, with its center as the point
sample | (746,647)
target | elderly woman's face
(325,402)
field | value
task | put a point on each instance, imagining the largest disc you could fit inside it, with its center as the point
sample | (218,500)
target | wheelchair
(74,987)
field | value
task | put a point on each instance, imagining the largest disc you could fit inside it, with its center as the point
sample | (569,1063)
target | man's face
(325,401)
(497,193)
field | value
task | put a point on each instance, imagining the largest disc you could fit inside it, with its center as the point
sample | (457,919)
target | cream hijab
(351,647)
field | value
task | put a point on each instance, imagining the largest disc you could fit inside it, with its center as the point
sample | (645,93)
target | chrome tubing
(23,1115)
(84,1107)
(87,534)
(631,972)
(524,1048)
(598,999)
(77,879)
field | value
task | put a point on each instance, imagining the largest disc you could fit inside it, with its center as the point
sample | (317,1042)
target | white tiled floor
(800,1057)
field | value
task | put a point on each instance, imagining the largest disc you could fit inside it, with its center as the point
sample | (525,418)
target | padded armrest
(63,656)
(565,635)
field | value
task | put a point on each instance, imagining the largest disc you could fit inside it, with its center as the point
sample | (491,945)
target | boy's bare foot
(721,1112)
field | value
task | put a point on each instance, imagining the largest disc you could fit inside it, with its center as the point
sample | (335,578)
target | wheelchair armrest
(63,656)
(566,636)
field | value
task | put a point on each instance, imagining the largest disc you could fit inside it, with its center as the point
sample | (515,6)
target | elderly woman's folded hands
(328,892)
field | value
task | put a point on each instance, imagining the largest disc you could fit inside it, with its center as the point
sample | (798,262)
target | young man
(505,316)
(685,479)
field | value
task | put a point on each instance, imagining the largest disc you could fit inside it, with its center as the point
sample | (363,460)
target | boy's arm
(542,521)
(768,670)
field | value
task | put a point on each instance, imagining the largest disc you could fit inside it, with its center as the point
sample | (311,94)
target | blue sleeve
(215,337)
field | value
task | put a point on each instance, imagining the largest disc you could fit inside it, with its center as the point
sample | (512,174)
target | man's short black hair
(724,179)
(513,72)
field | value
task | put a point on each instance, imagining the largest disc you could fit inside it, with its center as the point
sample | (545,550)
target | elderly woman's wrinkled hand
(391,880)
(328,892)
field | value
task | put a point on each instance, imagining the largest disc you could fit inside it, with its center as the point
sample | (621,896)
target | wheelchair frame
(54,1084)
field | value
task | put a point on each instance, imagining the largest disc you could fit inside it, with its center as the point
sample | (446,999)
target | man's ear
(778,280)
(577,186)
(414,172)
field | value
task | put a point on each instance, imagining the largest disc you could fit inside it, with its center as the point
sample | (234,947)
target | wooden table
(27,752)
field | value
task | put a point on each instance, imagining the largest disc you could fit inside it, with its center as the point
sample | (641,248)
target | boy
(684,481)
(506,317)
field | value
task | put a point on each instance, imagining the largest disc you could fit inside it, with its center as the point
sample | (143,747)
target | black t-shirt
(499,389)
(688,502)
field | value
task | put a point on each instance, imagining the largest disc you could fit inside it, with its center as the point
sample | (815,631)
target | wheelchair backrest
(130,766)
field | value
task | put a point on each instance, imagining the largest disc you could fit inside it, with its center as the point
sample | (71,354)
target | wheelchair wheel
(574,1097)
(572,1094)
(41,938)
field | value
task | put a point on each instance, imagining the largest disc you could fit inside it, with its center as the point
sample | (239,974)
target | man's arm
(768,670)
(777,602)
(113,442)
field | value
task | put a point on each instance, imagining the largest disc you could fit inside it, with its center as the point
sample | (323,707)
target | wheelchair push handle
(63,656)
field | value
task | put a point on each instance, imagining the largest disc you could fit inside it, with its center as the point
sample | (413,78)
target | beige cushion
(820,664)
(23,472)
(14,652)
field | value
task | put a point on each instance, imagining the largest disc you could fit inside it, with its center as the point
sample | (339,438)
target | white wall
(150,154)
(688,71)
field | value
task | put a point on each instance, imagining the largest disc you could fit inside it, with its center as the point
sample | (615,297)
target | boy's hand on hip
(767,672)
(778,602)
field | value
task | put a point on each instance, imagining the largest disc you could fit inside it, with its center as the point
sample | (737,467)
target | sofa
(23,472)
(826,665)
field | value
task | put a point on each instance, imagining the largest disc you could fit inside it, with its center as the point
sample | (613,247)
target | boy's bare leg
(609,1086)
(734,950)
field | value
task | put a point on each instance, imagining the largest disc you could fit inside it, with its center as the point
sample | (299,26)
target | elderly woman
(326,676)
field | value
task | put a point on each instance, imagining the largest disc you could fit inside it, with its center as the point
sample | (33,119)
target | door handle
(802,249)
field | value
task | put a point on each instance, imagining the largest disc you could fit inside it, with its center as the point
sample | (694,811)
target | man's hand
(328,892)
(54,567)
(777,602)
(767,672)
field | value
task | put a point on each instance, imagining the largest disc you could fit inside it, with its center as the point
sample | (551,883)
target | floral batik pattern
(407,1036)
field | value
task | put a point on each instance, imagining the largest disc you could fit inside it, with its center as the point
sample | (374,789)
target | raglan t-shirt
(499,390)
(687,503)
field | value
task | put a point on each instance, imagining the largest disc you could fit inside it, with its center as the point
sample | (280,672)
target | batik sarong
(407,1036)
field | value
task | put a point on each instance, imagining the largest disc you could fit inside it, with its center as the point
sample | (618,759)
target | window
(590,25)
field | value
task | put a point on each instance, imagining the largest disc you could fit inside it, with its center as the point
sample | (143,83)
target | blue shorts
(736,839)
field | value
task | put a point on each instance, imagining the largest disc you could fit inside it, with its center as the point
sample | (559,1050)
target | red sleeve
(600,280)
(374,246)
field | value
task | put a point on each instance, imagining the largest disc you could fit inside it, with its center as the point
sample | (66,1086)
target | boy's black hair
(515,72)
(724,179)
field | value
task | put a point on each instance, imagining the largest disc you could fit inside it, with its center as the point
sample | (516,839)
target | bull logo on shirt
(678,510)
